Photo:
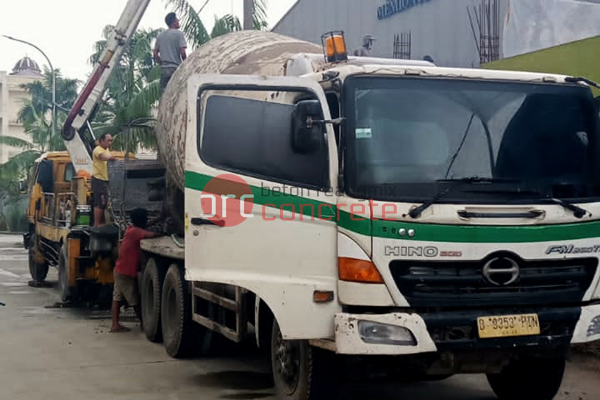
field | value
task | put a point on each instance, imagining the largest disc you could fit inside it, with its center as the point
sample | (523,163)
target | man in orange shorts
(128,265)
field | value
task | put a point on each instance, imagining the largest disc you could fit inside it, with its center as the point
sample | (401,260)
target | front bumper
(588,327)
(457,331)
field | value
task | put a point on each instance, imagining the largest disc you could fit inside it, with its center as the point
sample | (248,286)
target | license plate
(508,325)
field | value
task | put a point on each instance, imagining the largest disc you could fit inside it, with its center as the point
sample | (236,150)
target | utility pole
(248,15)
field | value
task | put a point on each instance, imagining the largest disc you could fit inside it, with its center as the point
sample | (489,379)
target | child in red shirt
(128,265)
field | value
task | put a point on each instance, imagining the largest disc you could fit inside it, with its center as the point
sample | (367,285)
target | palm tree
(194,28)
(134,89)
(39,129)
(41,95)
(12,217)
(35,114)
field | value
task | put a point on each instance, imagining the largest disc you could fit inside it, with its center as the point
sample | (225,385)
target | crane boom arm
(80,148)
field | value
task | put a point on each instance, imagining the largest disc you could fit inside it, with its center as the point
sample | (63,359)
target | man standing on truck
(128,265)
(101,156)
(367,47)
(170,50)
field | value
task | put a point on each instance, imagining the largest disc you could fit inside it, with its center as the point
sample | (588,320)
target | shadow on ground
(250,384)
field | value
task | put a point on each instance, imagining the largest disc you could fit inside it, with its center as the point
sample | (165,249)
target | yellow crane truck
(61,230)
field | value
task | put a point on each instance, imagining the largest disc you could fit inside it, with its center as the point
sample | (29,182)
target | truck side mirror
(23,187)
(307,128)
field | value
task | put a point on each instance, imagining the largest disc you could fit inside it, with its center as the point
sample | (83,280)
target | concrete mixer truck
(397,216)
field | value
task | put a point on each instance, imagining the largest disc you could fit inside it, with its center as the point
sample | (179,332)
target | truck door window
(69,172)
(45,176)
(253,137)
(334,107)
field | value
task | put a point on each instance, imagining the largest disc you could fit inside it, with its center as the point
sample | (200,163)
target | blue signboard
(397,6)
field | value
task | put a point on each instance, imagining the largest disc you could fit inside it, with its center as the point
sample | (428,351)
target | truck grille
(462,284)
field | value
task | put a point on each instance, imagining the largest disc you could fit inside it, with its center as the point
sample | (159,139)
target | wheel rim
(287,362)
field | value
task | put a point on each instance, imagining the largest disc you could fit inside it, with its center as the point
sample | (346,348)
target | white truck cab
(376,209)
(369,208)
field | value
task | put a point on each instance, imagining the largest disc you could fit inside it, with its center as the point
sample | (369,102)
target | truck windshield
(409,138)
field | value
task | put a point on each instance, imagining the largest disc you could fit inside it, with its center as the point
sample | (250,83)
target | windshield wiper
(575,79)
(417,211)
(578,212)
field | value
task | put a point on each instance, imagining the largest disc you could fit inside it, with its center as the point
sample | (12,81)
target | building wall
(11,101)
(439,28)
(534,25)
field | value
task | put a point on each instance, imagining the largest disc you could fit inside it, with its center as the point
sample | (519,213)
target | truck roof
(54,155)
(306,63)
(434,71)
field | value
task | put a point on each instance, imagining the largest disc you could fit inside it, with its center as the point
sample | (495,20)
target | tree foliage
(195,30)
(134,88)
(36,117)
(128,108)
(132,93)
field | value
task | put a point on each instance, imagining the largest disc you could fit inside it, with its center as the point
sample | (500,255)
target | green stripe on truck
(488,234)
(423,232)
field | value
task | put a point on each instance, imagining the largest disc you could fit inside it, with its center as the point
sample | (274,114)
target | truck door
(261,173)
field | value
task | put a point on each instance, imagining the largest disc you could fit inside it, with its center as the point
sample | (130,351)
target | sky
(67,29)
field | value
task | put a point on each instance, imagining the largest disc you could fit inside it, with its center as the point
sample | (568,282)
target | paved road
(64,353)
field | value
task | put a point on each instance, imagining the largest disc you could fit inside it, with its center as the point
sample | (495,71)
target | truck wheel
(152,282)
(104,297)
(38,271)
(529,379)
(66,293)
(300,371)
(181,335)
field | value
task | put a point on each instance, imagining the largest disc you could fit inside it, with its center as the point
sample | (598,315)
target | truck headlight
(376,333)
(594,328)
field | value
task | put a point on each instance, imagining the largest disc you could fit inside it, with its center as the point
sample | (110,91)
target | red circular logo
(227,200)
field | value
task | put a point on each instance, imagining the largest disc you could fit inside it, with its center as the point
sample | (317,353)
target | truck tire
(529,379)
(38,271)
(152,283)
(300,371)
(104,297)
(182,337)
(66,293)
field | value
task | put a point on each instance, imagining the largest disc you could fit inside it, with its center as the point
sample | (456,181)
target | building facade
(12,96)
(452,33)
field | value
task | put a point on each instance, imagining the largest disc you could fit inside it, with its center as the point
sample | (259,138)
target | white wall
(440,28)
(539,24)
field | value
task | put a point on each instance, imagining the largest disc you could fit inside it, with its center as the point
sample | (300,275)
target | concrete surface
(65,353)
